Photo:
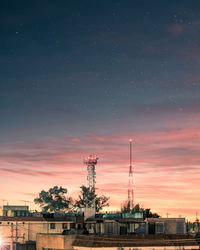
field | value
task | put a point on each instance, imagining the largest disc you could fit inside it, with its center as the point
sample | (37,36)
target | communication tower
(130,179)
(91,162)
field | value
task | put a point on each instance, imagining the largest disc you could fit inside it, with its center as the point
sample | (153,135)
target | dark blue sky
(82,71)
(100,61)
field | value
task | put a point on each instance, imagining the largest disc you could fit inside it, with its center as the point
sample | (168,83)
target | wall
(54,241)
(171,225)
(27,230)
(81,242)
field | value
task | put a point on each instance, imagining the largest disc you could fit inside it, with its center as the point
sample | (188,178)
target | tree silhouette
(138,208)
(89,198)
(53,200)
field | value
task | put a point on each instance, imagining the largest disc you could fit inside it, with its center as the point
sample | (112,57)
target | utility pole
(12,236)
(3,200)
(16,235)
(25,201)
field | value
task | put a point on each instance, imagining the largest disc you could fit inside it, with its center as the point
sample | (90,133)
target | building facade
(166,226)
(23,229)
(14,211)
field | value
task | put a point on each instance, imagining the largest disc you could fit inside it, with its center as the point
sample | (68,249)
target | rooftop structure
(14,210)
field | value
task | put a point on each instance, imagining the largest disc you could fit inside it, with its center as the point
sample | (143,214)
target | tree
(53,200)
(138,208)
(126,207)
(148,214)
(89,198)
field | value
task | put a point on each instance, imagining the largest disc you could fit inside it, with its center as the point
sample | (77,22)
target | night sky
(81,77)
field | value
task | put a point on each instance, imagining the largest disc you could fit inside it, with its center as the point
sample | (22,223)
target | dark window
(180,227)
(89,226)
(64,226)
(152,228)
(72,225)
(159,228)
(52,225)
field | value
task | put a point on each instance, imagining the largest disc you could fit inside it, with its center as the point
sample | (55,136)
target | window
(52,225)
(180,227)
(72,225)
(159,227)
(65,225)
(89,226)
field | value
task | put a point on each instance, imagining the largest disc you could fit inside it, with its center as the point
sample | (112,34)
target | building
(115,223)
(115,226)
(115,242)
(23,229)
(166,226)
(15,211)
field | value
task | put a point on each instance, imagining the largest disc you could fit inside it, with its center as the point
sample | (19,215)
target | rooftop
(6,218)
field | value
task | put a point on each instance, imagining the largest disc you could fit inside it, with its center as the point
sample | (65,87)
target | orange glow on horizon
(166,169)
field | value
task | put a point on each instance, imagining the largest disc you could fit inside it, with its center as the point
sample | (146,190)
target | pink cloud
(96,138)
(166,164)
(31,195)
(73,139)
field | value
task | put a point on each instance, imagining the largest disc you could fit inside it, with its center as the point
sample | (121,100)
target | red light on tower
(91,159)
(91,162)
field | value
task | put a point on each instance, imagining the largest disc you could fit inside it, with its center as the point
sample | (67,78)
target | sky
(82,77)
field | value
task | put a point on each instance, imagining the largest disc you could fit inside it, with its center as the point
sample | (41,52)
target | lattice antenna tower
(130,179)
(91,162)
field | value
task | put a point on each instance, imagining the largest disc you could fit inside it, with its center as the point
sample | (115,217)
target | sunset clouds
(166,164)
(82,79)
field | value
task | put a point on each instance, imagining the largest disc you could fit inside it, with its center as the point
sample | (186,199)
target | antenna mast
(91,161)
(130,180)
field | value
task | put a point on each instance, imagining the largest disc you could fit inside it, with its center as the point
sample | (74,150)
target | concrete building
(166,226)
(116,224)
(120,224)
(15,211)
(22,229)
(117,242)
